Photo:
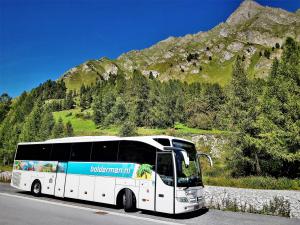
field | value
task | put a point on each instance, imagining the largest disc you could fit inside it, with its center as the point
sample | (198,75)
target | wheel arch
(120,193)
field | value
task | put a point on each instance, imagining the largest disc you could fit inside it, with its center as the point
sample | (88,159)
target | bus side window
(136,152)
(105,151)
(81,151)
(34,152)
(61,152)
(163,141)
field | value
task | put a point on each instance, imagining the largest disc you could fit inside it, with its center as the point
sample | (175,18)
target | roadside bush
(128,129)
(201,121)
(254,182)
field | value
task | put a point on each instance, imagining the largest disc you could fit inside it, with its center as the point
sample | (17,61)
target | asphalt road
(20,208)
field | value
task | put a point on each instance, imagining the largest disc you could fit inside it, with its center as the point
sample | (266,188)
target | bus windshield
(187,176)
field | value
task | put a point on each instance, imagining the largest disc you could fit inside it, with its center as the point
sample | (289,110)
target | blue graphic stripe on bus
(102,169)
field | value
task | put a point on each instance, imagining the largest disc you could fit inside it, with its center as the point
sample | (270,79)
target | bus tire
(36,188)
(129,201)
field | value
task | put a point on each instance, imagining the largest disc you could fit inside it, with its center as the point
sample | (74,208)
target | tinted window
(81,151)
(165,168)
(34,152)
(137,152)
(189,147)
(61,152)
(105,151)
(163,141)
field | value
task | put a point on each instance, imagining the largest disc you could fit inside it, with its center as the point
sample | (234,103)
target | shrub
(267,54)
(255,182)
(171,132)
(278,206)
(192,56)
(201,121)
(79,115)
(69,114)
(128,129)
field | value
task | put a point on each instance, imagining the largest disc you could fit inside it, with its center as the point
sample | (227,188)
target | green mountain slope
(253,31)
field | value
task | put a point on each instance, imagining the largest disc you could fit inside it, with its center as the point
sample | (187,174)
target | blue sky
(41,39)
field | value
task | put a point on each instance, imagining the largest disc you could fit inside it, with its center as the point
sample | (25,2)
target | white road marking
(92,210)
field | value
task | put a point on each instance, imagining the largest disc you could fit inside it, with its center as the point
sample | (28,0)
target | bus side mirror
(207,156)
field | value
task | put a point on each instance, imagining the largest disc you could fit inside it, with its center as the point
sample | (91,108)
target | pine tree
(58,129)
(138,94)
(103,102)
(69,132)
(60,90)
(68,101)
(98,111)
(118,113)
(279,121)
(31,127)
(47,124)
(238,98)
(5,103)
(268,142)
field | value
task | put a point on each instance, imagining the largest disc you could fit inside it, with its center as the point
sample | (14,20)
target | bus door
(165,183)
(61,173)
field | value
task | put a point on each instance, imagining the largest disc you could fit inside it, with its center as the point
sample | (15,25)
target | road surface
(20,208)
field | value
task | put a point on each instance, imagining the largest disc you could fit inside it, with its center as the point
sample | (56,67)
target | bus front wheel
(36,188)
(129,201)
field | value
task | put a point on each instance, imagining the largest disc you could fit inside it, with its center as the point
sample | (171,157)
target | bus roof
(148,139)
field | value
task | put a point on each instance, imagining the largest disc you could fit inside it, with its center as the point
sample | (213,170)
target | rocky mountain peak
(247,10)
(252,31)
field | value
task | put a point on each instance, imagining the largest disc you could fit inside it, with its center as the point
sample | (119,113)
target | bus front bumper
(189,207)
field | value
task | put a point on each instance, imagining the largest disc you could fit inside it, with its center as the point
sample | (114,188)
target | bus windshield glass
(187,176)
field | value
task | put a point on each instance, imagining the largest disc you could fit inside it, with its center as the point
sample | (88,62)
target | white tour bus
(159,173)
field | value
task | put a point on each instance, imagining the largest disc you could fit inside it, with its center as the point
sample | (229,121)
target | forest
(261,115)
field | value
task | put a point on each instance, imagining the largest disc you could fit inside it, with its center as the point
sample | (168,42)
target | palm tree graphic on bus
(144,172)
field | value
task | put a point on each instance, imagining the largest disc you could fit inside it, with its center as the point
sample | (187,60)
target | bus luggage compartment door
(61,172)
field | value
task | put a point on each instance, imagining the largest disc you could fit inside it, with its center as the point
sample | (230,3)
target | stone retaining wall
(5,176)
(215,143)
(274,202)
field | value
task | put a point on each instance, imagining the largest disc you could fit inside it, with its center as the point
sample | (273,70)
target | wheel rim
(36,188)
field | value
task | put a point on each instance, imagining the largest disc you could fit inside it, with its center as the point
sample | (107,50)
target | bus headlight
(182,199)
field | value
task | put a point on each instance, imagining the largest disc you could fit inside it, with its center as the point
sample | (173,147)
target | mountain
(253,31)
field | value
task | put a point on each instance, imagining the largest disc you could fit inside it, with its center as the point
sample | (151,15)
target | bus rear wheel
(36,188)
(129,201)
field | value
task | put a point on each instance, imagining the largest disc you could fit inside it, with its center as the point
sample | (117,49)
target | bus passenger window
(136,152)
(105,151)
(81,151)
(61,152)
